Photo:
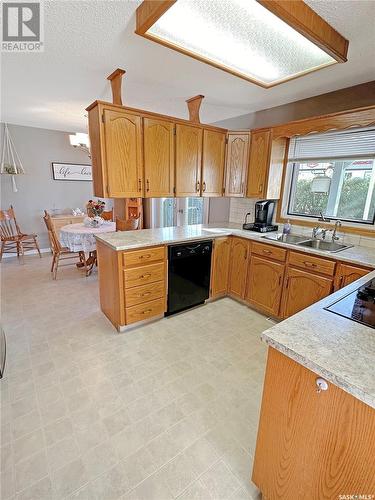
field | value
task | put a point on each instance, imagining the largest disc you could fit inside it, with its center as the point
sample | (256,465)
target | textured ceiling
(87,40)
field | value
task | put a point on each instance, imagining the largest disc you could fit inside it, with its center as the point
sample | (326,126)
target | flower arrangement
(95,208)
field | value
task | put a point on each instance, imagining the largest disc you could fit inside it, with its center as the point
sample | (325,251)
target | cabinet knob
(321,385)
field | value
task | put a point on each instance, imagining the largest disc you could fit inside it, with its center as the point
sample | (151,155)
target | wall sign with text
(71,172)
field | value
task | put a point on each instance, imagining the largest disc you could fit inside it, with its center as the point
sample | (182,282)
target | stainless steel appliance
(189,269)
(358,305)
(263,217)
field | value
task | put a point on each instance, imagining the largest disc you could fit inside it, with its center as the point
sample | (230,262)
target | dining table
(81,239)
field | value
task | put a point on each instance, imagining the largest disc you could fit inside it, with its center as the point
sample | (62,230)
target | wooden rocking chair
(13,240)
(58,252)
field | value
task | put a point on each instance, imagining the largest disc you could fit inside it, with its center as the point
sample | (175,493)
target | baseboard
(29,252)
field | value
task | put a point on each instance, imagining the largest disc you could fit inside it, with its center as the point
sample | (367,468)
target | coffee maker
(263,217)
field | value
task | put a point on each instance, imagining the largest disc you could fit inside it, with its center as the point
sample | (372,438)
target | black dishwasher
(189,269)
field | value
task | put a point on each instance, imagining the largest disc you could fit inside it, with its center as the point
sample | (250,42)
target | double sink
(302,241)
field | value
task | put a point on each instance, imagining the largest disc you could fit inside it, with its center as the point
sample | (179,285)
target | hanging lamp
(10,161)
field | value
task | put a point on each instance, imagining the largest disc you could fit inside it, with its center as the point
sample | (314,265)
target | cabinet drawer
(144,293)
(143,275)
(269,251)
(311,263)
(143,256)
(145,311)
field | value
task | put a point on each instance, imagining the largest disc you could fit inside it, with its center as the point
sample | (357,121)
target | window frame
(290,194)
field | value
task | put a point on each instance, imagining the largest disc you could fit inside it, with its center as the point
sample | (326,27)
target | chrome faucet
(316,230)
(338,223)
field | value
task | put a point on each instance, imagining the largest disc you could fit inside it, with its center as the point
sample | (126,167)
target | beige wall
(37,190)
(339,100)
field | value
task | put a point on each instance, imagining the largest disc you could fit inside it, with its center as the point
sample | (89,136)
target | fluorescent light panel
(242,37)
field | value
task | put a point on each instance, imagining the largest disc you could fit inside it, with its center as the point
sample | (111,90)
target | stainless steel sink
(325,246)
(303,241)
(286,238)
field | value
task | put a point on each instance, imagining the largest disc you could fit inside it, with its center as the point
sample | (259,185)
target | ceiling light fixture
(80,141)
(266,42)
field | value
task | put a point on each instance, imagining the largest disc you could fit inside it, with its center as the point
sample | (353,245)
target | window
(333,174)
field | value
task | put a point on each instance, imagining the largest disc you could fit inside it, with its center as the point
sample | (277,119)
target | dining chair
(13,240)
(127,225)
(107,215)
(58,251)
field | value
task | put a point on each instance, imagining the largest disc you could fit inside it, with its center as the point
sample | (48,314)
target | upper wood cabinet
(346,274)
(260,154)
(303,289)
(116,149)
(188,160)
(265,165)
(264,284)
(158,157)
(220,267)
(123,154)
(239,258)
(237,160)
(213,163)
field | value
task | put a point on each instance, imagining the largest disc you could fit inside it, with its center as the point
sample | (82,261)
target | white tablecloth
(79,238)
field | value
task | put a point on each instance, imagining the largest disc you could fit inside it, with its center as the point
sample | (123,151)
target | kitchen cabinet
(260,153)
(220,267)
(303,288)
(239,258)
(237,159)
(311,444)
(266,162)
(213,163)
(264,284)
(346,274)
(123,154)
(188,160)
(158,136)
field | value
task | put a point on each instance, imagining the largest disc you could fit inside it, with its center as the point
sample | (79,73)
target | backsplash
(239,207)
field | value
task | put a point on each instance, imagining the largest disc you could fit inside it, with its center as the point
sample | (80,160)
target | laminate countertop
(131,240)
(340,350)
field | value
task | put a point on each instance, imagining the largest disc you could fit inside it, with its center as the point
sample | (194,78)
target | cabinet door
(236,164)
(310,444)
(260,152)
(239,257)
(303,289)
(123,150)
(213,163)
(220,267)
(188,160)
(264,284)
(347,274)
(158,140)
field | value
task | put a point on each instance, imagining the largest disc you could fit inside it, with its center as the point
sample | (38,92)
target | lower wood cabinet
(302,288)
(264,284)
(346,274)
(220,267)
(311,445)
(239,259)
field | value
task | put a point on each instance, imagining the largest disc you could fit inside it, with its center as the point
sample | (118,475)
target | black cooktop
(358,305)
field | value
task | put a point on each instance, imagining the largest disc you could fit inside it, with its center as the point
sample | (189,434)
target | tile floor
(169,410)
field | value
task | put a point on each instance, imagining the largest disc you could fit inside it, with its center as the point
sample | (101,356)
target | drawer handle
(268,252)
(145,294)
(309,264)
(145,256)
(147,275)
(147,311)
